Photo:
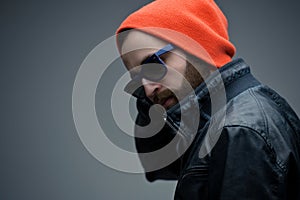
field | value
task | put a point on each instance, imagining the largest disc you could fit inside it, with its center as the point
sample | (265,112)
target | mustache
(161,97)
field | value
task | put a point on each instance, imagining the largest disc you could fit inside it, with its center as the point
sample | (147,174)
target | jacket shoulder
(266,113)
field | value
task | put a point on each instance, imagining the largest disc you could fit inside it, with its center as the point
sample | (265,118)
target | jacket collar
(224,78)
(235,77)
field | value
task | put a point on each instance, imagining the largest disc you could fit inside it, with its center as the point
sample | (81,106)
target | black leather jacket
(255,156)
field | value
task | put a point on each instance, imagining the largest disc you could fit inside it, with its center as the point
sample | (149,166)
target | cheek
(173,81)
(177,63)
(175,76)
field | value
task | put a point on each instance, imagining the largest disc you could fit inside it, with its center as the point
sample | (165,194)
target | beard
(193,79)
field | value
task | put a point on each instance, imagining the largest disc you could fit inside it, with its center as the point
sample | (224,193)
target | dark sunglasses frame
(153,59)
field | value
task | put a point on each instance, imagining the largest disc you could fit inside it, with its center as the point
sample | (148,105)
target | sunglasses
(153,69)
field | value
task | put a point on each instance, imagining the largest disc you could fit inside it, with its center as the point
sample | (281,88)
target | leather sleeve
(243,165)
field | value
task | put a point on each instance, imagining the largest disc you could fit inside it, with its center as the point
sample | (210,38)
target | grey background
(42,45)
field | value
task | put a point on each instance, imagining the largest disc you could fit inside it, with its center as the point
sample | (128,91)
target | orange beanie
(200,20)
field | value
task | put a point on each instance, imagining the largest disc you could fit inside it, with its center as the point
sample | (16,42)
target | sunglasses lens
(153,71)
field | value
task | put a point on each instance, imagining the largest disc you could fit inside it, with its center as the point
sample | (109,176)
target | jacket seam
(261,109)
(279,163)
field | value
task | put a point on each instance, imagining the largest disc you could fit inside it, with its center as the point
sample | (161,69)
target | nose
(151,88)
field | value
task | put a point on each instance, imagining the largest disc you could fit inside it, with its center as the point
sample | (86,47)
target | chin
(170,103)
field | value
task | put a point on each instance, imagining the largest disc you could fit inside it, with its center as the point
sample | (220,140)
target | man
(246,147)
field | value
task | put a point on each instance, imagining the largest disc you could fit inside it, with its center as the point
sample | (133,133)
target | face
(180,77)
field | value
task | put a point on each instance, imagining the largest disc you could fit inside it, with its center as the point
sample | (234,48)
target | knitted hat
(200,20)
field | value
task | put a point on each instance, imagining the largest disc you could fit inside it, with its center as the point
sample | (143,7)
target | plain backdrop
(42,46)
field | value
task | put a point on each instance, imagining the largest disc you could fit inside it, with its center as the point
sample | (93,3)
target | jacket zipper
(170,123)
